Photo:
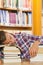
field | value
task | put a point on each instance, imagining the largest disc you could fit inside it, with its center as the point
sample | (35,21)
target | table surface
(23,63)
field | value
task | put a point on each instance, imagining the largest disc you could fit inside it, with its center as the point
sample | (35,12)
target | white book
(20,18)
(11,52)
(8,3)
(7,18)
(16,19)
(24,22)
(20,4)
(10,48)
(12,57)
(30,19)
(11,60)
(13,4)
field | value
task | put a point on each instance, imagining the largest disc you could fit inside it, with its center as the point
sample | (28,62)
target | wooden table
(23,63)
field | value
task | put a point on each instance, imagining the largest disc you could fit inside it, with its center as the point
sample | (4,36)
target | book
(29,4)
(24,20)
(20,4)
(12,60)
(20,18)
(1,3)
(12,18)
(29,19)
(13,3)
(7,3)
(0,17)
(7,18)
(11,54)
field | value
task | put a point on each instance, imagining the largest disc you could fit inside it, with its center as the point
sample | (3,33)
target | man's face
(9,39)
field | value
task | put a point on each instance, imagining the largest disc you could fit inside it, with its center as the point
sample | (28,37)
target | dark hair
(2,37)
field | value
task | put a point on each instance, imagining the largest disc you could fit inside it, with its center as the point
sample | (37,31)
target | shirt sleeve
(41,40)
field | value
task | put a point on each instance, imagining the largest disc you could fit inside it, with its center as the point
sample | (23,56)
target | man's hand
(34,49)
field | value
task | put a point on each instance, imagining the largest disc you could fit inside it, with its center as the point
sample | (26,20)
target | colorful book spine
(13,3)
(29,4)
(20,4)
(17,3)
(24,19)
(12,18)
(1,3)
(0,16)
(29,19)
(20,18)
(4,17)
(5,3)
(7,18)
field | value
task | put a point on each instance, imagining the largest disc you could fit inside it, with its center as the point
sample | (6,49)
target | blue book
(4,16)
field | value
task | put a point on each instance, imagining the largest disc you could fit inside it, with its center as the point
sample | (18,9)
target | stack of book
(11,54)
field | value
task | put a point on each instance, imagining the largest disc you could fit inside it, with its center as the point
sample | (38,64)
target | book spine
(29,19)
(1,3)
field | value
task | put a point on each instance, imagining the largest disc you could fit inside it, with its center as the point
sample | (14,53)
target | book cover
(20,4)
(0,16)
(13,3)
(29,19)
(1,3)
(5,3)
(20,18)
(12,18)
(24,19)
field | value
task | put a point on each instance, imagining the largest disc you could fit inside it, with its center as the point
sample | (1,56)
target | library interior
(21,16)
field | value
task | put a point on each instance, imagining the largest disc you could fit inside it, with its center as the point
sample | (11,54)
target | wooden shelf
(9,9)
(14,9)
(15,28)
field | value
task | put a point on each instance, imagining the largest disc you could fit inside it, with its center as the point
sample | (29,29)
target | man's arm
(34,49)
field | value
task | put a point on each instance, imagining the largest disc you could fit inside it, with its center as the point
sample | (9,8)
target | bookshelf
(24,13)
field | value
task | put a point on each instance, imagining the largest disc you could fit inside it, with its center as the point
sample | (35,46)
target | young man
(28,44)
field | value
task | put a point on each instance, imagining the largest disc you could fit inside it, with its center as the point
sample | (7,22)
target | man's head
(6,38)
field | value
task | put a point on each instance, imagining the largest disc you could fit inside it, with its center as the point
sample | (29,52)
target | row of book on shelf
(20,18)
(21,4)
